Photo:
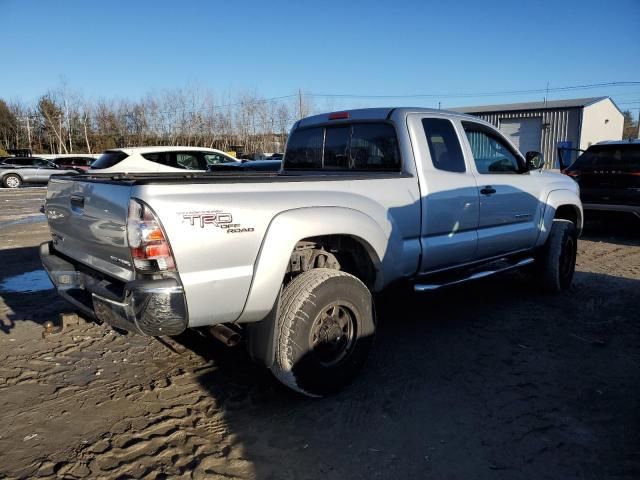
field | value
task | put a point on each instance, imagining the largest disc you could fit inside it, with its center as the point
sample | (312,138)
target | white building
(545,126)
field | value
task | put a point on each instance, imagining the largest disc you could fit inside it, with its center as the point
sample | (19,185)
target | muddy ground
(490,380)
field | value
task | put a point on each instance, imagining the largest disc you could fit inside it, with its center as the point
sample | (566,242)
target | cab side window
(490,153)
(444,147)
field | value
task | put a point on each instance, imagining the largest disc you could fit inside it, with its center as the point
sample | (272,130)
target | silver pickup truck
(290,259)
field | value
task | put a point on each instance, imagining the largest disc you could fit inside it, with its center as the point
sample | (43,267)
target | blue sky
(126,49)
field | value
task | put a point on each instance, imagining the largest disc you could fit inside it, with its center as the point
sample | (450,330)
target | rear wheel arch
(358,252)
(289,228)
(348,253)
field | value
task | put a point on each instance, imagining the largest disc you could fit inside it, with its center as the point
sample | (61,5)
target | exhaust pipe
(226,335)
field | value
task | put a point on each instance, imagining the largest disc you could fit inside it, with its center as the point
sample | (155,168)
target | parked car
(159,159)
(14,171)
(608,174)
(19,161)
(81,164)
(248,166)
(261,156)
(290,260)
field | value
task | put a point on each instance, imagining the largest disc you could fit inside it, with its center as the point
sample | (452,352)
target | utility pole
(66,107)
(29,132)
(60,136)
(86,135)
(546,95)
(300,103)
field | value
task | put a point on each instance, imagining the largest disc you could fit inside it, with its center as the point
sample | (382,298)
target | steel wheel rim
(566,259)
(12,182)
(333,333)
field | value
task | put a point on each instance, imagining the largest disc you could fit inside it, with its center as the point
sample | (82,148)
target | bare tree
(62,121)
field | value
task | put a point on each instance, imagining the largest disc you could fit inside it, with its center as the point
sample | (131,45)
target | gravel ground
(490,380)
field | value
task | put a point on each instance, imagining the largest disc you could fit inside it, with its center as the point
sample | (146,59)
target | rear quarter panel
(217,262)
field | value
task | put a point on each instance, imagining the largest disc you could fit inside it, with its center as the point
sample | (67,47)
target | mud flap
(261,337)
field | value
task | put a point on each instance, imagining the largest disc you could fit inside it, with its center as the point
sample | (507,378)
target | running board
(427,287)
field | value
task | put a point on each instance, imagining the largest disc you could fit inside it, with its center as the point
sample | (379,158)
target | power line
(481,94)
(299,95)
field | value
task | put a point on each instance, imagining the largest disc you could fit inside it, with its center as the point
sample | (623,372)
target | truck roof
(382,113)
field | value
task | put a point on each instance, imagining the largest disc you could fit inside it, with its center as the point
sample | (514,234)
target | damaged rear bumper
(148,307)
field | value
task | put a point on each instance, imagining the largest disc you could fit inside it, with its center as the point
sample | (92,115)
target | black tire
(325,331)
(11,181)
(556,261)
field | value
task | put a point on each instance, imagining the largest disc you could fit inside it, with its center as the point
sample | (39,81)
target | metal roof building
(545,126)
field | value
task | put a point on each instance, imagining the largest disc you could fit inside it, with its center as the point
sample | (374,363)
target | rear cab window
(352,146)
(109,159)
(444,146)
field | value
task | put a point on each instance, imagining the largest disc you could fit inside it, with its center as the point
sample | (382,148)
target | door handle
(77,201)
(488,190)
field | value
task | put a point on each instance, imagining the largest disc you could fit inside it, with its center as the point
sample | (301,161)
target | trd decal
(214,218)
(221,220)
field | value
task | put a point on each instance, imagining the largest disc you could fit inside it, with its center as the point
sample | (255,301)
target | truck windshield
(618,156)
(357,146)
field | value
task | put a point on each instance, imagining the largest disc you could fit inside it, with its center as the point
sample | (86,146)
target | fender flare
(555,200)
(289,227)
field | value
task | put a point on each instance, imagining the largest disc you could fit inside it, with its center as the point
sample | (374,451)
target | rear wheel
(556,261)
(325,331)
(11,181)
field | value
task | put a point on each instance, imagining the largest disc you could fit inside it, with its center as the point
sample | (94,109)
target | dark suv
(609,176)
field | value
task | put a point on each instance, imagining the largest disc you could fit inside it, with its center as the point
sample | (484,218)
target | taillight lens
(148,243)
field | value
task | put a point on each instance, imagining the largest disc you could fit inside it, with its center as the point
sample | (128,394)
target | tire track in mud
(177,418)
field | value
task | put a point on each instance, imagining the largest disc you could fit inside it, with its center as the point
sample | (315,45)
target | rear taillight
(150,249)
(572,173)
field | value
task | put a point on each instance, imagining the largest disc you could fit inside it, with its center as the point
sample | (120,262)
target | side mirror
(535,160)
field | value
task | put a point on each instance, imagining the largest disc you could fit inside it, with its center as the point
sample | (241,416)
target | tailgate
(88,222)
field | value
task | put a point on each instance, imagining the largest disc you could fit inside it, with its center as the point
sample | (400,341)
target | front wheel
(325,331)
(11,181)
(556,261)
